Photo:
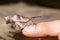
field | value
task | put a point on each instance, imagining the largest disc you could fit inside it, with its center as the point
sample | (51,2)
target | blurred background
(47,3)
(48,10)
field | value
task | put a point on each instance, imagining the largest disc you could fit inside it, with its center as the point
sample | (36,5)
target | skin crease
(43,29)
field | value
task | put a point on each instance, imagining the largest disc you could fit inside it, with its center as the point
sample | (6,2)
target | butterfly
(19,22)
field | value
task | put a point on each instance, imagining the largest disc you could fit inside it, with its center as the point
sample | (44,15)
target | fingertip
(31,31)
(28,31)
(34,30)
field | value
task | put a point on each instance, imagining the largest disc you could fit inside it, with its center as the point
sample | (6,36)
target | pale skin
(43,29)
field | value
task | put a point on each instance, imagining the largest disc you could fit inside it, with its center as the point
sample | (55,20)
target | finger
(37,30)
(42,29)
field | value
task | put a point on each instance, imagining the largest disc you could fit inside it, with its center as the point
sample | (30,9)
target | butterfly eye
(8,21)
